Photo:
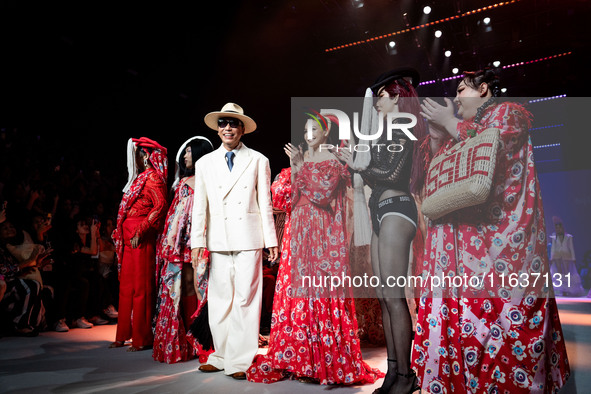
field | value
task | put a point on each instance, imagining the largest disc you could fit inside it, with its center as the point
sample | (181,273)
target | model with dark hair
(177,299)
(506,336)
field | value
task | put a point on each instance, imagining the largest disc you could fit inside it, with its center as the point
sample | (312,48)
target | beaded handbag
(462,176)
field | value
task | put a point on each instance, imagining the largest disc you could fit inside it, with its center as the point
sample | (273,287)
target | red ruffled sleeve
(322,182)
(281,191)
(154,196)
(511,118)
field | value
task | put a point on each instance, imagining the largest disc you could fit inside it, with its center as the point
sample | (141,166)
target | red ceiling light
(507,66)
(430,23)
(536,60)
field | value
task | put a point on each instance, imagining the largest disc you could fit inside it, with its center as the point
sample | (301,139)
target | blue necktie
(230,159)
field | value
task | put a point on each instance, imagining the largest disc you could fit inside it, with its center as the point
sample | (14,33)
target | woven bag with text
(462,176)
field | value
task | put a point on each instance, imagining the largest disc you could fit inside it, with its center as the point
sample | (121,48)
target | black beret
(397,73)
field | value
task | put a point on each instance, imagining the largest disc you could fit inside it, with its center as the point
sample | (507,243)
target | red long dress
(312,337)
(510,341)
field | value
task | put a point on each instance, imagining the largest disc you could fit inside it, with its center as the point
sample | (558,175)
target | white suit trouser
(234,306)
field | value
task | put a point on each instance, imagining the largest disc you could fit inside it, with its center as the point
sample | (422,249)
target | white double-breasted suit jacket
(232,210)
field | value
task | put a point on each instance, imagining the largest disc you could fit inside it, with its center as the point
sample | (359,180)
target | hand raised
(295,154)
(436,113)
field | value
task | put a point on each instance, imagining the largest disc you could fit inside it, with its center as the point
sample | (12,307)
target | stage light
(546,146)
(496,63)
(450,78)
(423,25)
(546,127)
(447,53)
(509,66)
(455,70)
(438,33)
(547,98)
(486,20)
(427,10)
(391,48)
(428,82)
(537,60)
(504,90)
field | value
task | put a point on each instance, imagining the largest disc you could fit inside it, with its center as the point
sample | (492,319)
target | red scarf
(160,163)
(126,202)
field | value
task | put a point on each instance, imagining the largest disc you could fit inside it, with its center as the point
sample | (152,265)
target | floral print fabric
(312,337)
(511,340)
(171,343)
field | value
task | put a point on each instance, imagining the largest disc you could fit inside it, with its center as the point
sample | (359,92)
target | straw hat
(230,110)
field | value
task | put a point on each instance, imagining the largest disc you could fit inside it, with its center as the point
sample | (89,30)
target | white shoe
(111,312)
(81,323)
(61,326)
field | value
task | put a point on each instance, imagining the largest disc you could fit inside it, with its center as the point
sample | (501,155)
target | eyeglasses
(233,122)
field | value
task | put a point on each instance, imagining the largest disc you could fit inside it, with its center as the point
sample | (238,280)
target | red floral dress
(511,340)
(171,344)
(314,336)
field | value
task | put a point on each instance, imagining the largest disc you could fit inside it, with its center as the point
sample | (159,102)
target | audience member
(21,310)
(84,261)
(107,267)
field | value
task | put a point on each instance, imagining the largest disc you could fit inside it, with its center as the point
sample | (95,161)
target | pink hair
(410,104)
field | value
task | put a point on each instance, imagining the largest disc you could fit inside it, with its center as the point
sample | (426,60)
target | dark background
(79,79)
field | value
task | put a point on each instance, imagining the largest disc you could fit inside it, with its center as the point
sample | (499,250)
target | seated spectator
(21,309)
(107,263)
(55,276)
(84,264)
(33,257)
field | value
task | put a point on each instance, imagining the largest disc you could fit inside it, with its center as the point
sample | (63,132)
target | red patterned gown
(313,337)
(511,341)
(171,344)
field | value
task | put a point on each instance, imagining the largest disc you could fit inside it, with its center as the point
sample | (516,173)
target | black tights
(390,257)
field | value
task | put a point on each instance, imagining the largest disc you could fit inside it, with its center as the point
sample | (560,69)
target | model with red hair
(394,217)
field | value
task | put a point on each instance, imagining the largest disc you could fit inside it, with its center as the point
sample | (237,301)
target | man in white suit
(233,218)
